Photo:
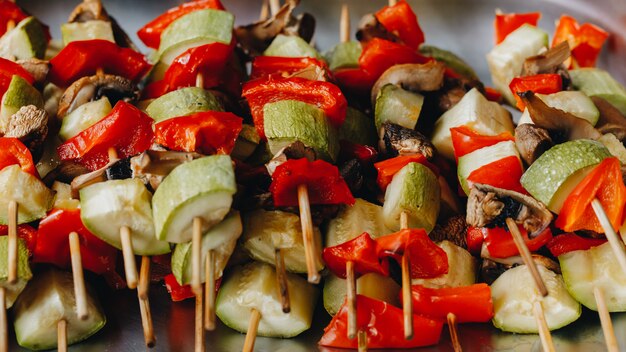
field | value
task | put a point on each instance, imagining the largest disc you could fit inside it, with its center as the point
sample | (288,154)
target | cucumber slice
(514,293)
(254,286)
(20,93)
(182,102)
(108,206)
(88,30)
(84,117)
(358,128)
(399,106)
(506,59)
(462,269)
(26,41)
(33,198)
(614,145)
(414,189)
(353,220)
(63,196)
(344,55)
(287,121)
(371,285)
(476,112)
(246,142)
(475,160)
(451,60)
(197,28)
(48,299)
(548,173)
(575,102)
(291,46)
(221,239)
(264,231)
(200,188)
(596,82)
(12,291)
(585,269)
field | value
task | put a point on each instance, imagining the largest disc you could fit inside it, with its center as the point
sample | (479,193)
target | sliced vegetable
(546,83)
(470,304)
(34,199)
(461,269)
(598,83)
(500,243)
(401,20)
(465,140)
(505,23)
(353,220)
(27,40)
(399,106)
(362,251)
(291,46)
(183,102)
(24,274)
(177,292)
(388,168)
(14,152)
(9,68)
(264,66)
(378,55)
(18,94)
(584,40)
(570,242)
(84,117)
(427,260)
(371,285)
(576,103)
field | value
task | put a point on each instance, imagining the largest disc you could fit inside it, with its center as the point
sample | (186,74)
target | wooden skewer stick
(253,326)
(199,325)
(344,24)
(265,10)
(542,325)
(362,341)
(281,279)
(307,233)
(79,280)
(144,278)
(454,335)
(12,245)
(196,255)
(130,267)
(146,320)
(62,335)
(407,300)
(526,256)
(616,243)
(209,304)
(605,321)
(351,297)
(274,6)
(4,333)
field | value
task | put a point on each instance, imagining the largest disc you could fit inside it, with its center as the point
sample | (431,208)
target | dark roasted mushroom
(352,172)
(38,69)
(87,89)
(370,28)
(453,229)
(562,125)
(531,141)
(550,62)
(30,125)
(295,150)
(492,268)
(90,10)
(256,37)
(152,166)
(611,119)
(65,172)
(119,170)
(396,140)
(489,206)
(426,77)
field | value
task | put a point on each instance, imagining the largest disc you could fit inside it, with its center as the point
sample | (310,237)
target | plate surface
(462,26)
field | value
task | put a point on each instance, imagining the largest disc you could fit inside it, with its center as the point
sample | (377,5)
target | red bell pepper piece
(363,153)
(362,251)
(83,58)
(25,232)
(504,173)
(427,260)
(154,89)
(9,68)
(14,152)
(264,66)
(325,185)
(324,95)
(150,34)
(53,244)
(378,55)
(493,94)
(465,140)
(9,11)
(570,242)
(126,128)
(401,20)
(585,40)
(545,83)
(475,239)
(470,304)
(388,168)
(355,80)
(209,132)
(500,243)
(383,324)
(178,292)
(505,23)
(209,60)
(604,183)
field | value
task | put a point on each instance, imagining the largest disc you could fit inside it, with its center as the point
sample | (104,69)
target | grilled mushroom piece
(352,172)
(370,28)
(532,141)
(492,268)
(489,206)
(152,166)
(90,10)
(295,150)
(87,89)
(30,125)
(454,230)
(396,140)
(65,172)
(426,77)
(256,37)
(611,119)
(38,69)
(550,62)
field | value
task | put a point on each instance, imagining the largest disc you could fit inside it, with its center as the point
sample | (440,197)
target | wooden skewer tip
(62,335)
(351,298)
(253,326)
(209,304)
(78,277)
(130,267)
(526,256)
(454,334)
(307,233)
